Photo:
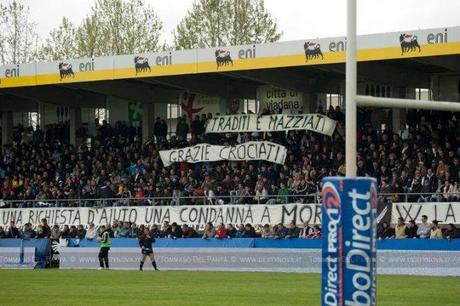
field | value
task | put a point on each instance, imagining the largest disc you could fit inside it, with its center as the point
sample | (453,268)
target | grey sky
(298,19)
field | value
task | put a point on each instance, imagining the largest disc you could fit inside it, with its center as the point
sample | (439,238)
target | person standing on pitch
(104,239)
(146,243)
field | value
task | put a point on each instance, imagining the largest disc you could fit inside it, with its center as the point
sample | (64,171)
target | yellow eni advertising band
(396,45)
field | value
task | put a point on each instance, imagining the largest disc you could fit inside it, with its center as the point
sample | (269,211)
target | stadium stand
(422,158)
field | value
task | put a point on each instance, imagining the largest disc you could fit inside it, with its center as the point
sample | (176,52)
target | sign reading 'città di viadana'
(280,100)
(252,150)
(271,123)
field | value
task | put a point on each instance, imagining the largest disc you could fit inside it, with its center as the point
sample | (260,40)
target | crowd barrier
(406,256)
(439,263)
(17,257)
(296,243)
(273,199)
(40,248)
(402,256)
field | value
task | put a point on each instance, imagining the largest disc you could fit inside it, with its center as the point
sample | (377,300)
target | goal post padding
(349,216)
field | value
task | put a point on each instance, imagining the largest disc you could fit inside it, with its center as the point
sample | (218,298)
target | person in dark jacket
(157,129)
(65,234)
(73,232)
(250,232)
(231,231)
(81,232)
(241,232)
(105,191)
(280,232)
(384,231)
(182,128)
(451,232)
(176,231)
(196,126)
(2,233)
(13,231)
(292,231)
(155,232)
(411,229)
(28,232)
(146,243)
(188,232)
(46,228)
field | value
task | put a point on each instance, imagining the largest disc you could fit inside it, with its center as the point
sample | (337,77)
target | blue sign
(349,241)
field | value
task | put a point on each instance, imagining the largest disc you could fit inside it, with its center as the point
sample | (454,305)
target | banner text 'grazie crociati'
(252,150)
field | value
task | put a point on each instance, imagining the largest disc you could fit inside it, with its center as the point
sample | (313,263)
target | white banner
(443,212)
(271,123)
(252,150)
(197,215)
(278,100)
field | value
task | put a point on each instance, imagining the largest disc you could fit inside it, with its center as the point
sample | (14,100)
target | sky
(297,19)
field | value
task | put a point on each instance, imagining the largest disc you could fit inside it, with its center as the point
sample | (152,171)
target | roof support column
(7,128)
(148,119)
(74,124)
(41,115)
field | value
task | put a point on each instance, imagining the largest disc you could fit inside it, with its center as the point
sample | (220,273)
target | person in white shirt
(305,230)
(424,229)
(91,232)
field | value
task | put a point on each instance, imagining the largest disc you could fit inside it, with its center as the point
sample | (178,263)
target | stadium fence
(314,198)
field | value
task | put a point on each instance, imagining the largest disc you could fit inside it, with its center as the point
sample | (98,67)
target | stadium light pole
(350,92)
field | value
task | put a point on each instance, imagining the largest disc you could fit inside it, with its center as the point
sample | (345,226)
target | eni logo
(141,64)
(65,70)
(312,50)
(223,58)
(409,43)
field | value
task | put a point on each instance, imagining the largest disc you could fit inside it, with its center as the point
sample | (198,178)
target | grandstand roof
(405,58)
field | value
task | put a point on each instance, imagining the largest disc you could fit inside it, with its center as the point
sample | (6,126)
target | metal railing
(163,201)
(314,198)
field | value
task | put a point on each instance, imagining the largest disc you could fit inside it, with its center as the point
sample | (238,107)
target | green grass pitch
(79,287)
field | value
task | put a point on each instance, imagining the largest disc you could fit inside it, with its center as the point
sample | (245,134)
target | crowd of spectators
(120,229)
(423,156)
(411,230)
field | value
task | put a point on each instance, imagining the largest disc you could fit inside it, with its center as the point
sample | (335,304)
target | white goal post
(352,100)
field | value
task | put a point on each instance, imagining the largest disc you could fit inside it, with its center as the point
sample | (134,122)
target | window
(334,100)
(33,119)
(174,111)
(251,106)
(101,114)
(422,94)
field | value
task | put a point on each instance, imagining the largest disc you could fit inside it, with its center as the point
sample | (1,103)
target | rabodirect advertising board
(349,241)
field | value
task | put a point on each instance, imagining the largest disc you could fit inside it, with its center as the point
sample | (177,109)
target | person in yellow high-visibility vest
(104,239)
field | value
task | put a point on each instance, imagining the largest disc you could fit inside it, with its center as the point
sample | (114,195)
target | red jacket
(221,232)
